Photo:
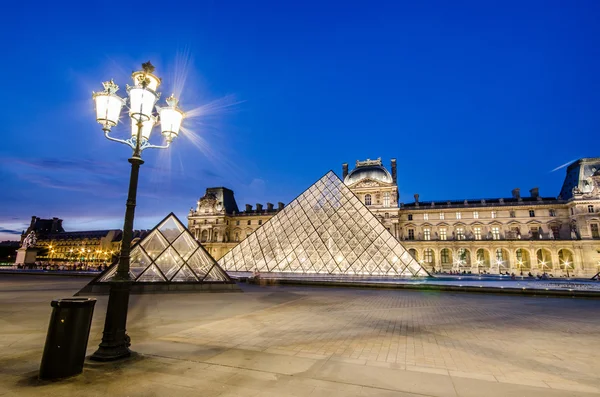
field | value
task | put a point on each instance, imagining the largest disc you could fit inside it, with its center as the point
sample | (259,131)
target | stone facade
(536,234)
(54,244)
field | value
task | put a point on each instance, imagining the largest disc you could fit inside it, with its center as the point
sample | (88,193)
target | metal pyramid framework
(326,230)
(168,255)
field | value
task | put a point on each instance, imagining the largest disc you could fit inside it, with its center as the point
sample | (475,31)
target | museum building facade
(558,235)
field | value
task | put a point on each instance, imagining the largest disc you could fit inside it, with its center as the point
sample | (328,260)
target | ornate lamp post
(143,96)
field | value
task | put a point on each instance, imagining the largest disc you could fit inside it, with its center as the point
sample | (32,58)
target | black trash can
(67,339)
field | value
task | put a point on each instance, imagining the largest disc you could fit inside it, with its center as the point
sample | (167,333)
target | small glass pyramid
(169,254)
(325,230)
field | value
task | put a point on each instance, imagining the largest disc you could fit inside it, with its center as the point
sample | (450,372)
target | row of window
(494,233)
(386,199)
(249,222)
(493,214)
(543,257)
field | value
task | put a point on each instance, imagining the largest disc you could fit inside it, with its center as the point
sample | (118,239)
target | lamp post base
(115,341)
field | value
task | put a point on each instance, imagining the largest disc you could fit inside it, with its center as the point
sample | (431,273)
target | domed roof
(375,172)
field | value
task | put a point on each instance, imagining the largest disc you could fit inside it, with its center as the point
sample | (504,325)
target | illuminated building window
(425,217)
(477,232)
(428,255)
(443,235)
(386,199)
(496,233)
(426,234)
(460,233)
(441,216)
(458,215)
(475,215)
(494,214)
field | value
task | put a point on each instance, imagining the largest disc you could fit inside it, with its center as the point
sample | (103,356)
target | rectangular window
(428,255)
(555,232)
(535,232)
(595,232)
(260,221)
(531,213)
(445,256)
(552,212)
(494,214)
(410,217)
(443,235)
(477,232)
(411,234)
(441,216)
(386,199)
(496,233)
(425,217)
(591,209)
(458,215)
(237,223)
(475,215)
(513,214)
(426,234)
(460,233)
(249,222)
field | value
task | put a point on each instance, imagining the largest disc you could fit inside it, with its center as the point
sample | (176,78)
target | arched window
(445,255)
(367,199)
(428,256)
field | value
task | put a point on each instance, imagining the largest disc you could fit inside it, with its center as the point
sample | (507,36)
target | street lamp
(142,99)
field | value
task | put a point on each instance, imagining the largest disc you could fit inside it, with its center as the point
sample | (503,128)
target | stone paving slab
(298,341)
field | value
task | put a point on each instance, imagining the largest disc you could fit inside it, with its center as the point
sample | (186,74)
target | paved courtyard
(293,341)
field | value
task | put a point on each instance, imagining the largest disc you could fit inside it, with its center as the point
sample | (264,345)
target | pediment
(367,182)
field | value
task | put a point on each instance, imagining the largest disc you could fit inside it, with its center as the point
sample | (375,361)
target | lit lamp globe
(143,95)
(108,105)
(147,126)
(170,118)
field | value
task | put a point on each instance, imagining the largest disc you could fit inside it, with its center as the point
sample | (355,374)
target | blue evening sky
(473,99)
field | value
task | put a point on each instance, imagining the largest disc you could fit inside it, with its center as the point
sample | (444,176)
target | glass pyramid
(169,254)
(326,230)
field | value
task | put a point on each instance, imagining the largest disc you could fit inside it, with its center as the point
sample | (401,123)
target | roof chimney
(269,206)
(258,207)
(394,174)
(344,170)
(516,193)
(280,206)
(248,208)
(535,192)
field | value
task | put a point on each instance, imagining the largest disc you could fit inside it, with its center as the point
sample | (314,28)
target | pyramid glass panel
(170,229)
(154,244)
(152,274)
(185,245)
(169,262)
(326,230)
(185,274)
